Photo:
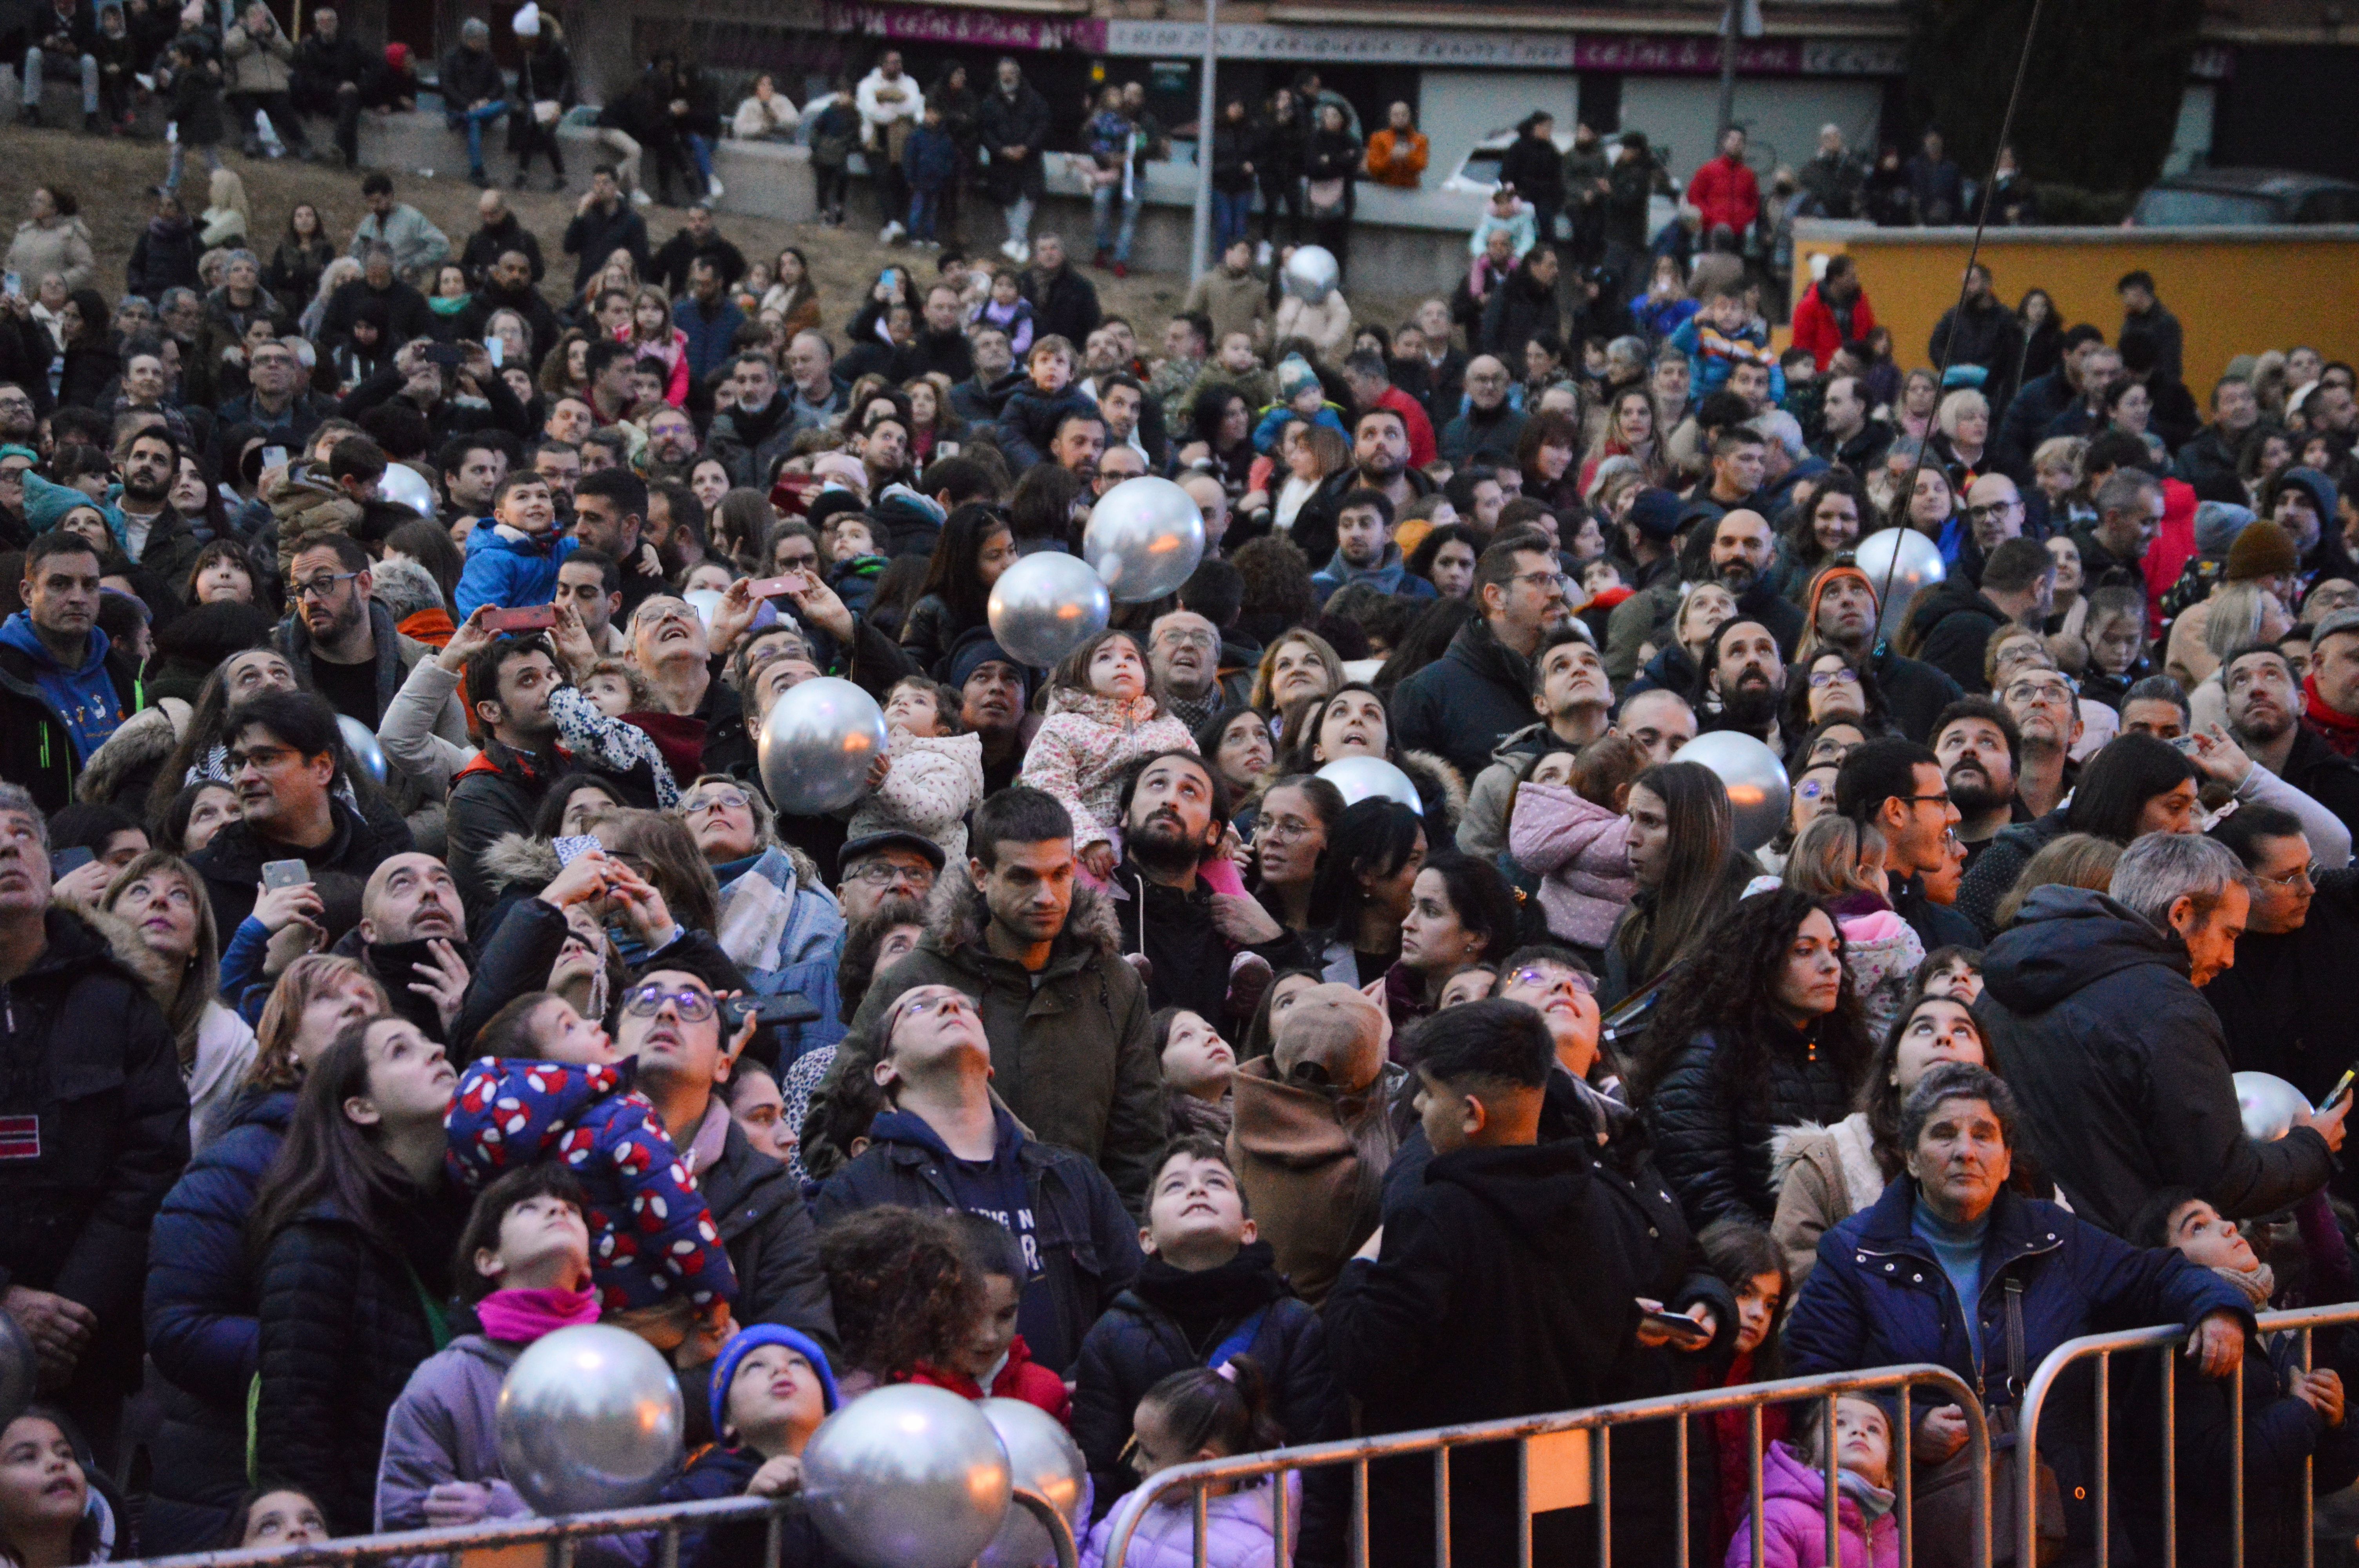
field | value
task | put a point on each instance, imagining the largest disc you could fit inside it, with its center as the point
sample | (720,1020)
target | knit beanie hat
(1294,377)
(747,1340)
(2263,549)
(1655,512)
(2217,523)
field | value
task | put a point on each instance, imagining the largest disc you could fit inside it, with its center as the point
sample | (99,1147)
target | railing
(2101,1348)
(561,1535)
(1565,1460)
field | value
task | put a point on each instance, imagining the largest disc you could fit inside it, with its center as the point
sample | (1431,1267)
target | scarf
(2258,1285)
(2338,731)
(519,1317)
(1873,1501)
(444,305)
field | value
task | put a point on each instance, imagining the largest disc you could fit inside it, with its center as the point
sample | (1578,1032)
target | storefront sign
(1661,56)
(982,29)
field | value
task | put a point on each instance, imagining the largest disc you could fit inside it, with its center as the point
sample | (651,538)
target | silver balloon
(1044,1459)
(1919,565)
(1046,605)
(1311,273)
(818,744)
(1144,537)
(1371,778)
(20,1370)
(1754,777)
(405,486)
(360,741)
(589,1417)
(704,601)
(907,1476)
(2268,1105)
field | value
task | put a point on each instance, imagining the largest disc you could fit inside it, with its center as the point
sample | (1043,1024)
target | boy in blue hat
(771,1387)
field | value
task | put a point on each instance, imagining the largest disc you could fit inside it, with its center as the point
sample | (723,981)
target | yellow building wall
(2233,290)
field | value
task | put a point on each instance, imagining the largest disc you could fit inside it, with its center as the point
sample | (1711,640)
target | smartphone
(2185,744)
(890,277)
(1686,1333)
(574,846)
(497,350)
(773,587)
(449,355)
(273,457)
(12,285)
(531,618)
(72,859)
(277,874)
(787,1007)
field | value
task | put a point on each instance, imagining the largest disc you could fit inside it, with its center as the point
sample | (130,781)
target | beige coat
(62,246)
(1825,1175)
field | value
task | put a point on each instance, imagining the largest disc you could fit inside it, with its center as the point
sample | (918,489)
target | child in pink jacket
(933,776)
(1101,718)
(1794,1494)
(1567,828)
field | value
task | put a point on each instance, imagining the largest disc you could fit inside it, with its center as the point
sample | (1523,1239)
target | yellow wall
(2234,291)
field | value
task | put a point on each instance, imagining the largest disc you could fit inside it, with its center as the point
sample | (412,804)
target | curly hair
(903,1290)
(1277,579)
(1730,999)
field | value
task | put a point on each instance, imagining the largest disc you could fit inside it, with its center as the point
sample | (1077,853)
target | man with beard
(1479,692)
(508,681)
(472,469)
(1080,441)
(1956,621)
(817,394)
(609,512)
(2302,501)
(754,431)
(2263,708)
(2047,715)
(1897,788)
(1573,698)
(155,536)
(1183,649)
(2285,1006)
(1379,462)
(591,582)
(507,284)
(2129,517)
(1848,437)
(994,691)
(413,937)
(1840,606)
(498,230)
(1013,123)
(1744,682)
(1173,815)
(342,643)
(272,404)
(1977,744)
(1742,546)
(979,399)
(670,453)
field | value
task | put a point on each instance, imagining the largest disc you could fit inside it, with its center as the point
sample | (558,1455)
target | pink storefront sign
(956,25)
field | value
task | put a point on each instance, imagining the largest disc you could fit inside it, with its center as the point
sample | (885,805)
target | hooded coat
(1492,1295)
(1794,1520)
(48,712)
(1464,703)
(1310,1162)
(2121,1068)
(1954,626)
(1069,1049)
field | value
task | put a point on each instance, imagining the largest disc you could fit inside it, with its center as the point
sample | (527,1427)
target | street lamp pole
(1200,235)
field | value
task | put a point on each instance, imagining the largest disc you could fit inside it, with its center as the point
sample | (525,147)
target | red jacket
(1815,328)
(1022,1378)
(1421,450)
(1724,191)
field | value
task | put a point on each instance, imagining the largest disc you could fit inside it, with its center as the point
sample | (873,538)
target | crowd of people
(404,957)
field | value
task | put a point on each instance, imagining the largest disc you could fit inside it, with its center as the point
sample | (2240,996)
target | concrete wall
(2233,290)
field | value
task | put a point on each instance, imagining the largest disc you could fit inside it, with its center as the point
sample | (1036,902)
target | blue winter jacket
(508,571)
(1392,576)
(204,1331)
(84,698)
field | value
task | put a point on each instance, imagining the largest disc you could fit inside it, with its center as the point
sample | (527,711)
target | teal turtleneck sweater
(1959,1250)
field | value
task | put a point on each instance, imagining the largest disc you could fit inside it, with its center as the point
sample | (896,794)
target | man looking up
(63,688)
(1841,609)
(1977,746)
(1066,1017)
(1183,649)
(508,681)
(994,691)
(1573,698)
(1743,681)
(413,937)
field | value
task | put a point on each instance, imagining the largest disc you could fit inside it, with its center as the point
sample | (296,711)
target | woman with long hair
(161,903)
(1361,893)
(1220,425)
(792,296)
(1546,453)
(1277,590)
(976,548)
(354,1229)
(1446,559)
(90,364)
(1628,431)
(1461,913)
(565,369)
(1352,721)
(302,255)
(932,421)
(1766,1035)
(1279,144)
(1815,534)
(2043,336)
(742,523)
(203,1306)
(1931,509)
(1684,859)
(1300,664)
(1297,819)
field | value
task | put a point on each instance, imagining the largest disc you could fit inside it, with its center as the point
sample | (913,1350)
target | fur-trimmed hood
(1436,783)
(955,914)
(134,753)
(142,962)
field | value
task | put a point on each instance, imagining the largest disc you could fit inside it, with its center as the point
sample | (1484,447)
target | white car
(1478,173)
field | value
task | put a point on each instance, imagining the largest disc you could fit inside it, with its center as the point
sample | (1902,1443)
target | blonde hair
(309,978)
(1830,858)
(228,192)
(199,976)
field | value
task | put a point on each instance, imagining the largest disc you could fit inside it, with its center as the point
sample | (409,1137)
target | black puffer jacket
(1953,627)
(1711,1135)
(344,1323)
(85,1057)
(2121,1069)
(1464,703)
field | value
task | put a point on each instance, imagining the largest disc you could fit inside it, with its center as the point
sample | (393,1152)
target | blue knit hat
(1655,512)
(45,504)
(743,1342)
(1295,376)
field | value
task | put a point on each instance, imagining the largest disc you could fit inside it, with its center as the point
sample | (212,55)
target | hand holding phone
(531,618)
(285,873)
(786,586)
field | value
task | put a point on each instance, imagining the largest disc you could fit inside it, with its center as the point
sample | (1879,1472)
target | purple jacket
(1794,1517)
(1581,852)
(1239,1532)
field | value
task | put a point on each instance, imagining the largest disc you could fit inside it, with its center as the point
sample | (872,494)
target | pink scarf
(522,1317)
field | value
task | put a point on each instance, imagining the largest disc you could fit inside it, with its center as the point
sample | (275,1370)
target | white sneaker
(641,199)
(713,189)
(890,233)
(1261,254)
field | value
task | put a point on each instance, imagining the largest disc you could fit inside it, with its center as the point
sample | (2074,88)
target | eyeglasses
(881,873)
(941,1003)
(1187,639)
(1811,789)
(1544,579)
(2049,691)
(1287,828)
(2299,877)
(1995,509)
(1534,978)
(1822,678)
(644,1002)
(1943,798)
(716,800)
(263,758)
(322,586)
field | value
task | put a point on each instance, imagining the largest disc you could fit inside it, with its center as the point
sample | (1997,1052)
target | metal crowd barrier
(559,1537)
(2102,1347)
(1566,1460)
